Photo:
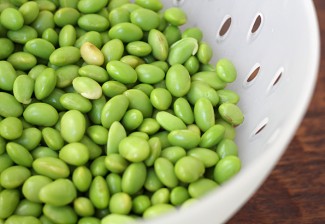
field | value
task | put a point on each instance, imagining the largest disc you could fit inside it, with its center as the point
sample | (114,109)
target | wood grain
(295,190)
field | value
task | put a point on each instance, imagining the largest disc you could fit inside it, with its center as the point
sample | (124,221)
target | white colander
(274,45)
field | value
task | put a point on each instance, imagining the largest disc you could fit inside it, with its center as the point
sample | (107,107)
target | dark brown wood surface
(295,190)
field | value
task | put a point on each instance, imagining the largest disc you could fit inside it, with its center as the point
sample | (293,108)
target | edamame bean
(65,56)
(113,50)
(91,54)
(41,114)
(60,214)
(11,128)
(9,200)
(89,220)
(87,87)
(146,19)
(114,183)
(114,110)
(207,156)
(22,60)
(172,34)
(201,187)
(45,83)
(116,3)
(199,90)
(140,101)
(14,176)
(115,135)
(184,138)
(192,64)
(154,5)
(152,182)
(134,178)
(226,168)
(23,35)
(43,151)
(121,72)
(116,163)
(175,16)
(160,98)
(66,16)
(230,131)
(86,6)
(126,32)
(29,11)
(94,149)
(6,49)
(9,106)
(183,110)
(51,35)
(93,37)
(117,219)
(182,50)
(189,169)
(98,134)
(173,153)
(30,138)
(157,210)
(146,88)
(93,22)
(134,149)
(149,126)
(140,204)
(179,195)
(23,89)
(94,72)
(204,53)
(67,36)
(226,70)
(212,136)
(60,192)
(178,81)
(194,32)
(169,122)
(6,161)
(210,78)
(120,203)
(19,154)
(149,73)
(81,178)
(74,153)
(159,44)
(75,101)
(12,19)
(7,76)
(231,113)
(132,60)
(40,48)
(73,126)
(132,119)
(204,114)
(97,167)
(28,208)
(43,21)
(155,150)
(83,207)
(161,196)
(138,48)
(51,167)
(119,15)
(65,75)
(227,95)
(227,147)
(165,172)
(33,185)
(99,193)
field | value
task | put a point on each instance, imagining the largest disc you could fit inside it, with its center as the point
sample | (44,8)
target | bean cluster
(109,112)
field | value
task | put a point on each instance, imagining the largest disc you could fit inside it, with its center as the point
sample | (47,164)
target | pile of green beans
(109,111)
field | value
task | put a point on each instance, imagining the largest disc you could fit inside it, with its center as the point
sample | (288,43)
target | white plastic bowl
(285,48)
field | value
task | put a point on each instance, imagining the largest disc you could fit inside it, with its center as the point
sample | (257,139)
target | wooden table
(295,190)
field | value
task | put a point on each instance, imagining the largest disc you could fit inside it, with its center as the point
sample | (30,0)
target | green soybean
(140,204)
(169,122)
(11,128)
(28,208)
(183,110)
(94,72)
(22,60)
(114,110)
(44,20)
(83,207)
(9,200)
(40,48)
(201,187)
(6,161)
(126,32)
(29,11)
(134,149)
(175,16)
(41,114)
(117,219)
(43,151)
(119,15)
(97,167)
(86,6)
(116,163)
(67,36)
(179,195)
(93,37)
(75,153)
(207,156)
(33,185)
(155,150)
(146,19)
(60,192)
(65,56)
(140,101)
(149,73)
(14,176)
(231,113)
(98,134)
(132,60)
(121,72)
(226,168)
(212,136)
(7,48)
(165,172)
(199,90)
(99,193)
(210,78)
(134,178)
(114,183)
(19,154)
(159,44)
(12,19)
(138,48)
(60,214)
(184,138)
(82,178)
(113,50)
(132,119)
(93,22)
(152,182)
(161,196)
(227,147)
(189,169)
(45,83)
(51,35)
(204,114)
(182,50)
(173,153)
(178,80)
(157,210)
(23,35)
(154,5)
(75,101)
(172,34)
(73,126)
(23,89)
(30,138)
(7,75)
(192,64)
(160,98)
(51,167)
(204,53)
(226,70)
(115,135)
(120,203)
(66,16)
